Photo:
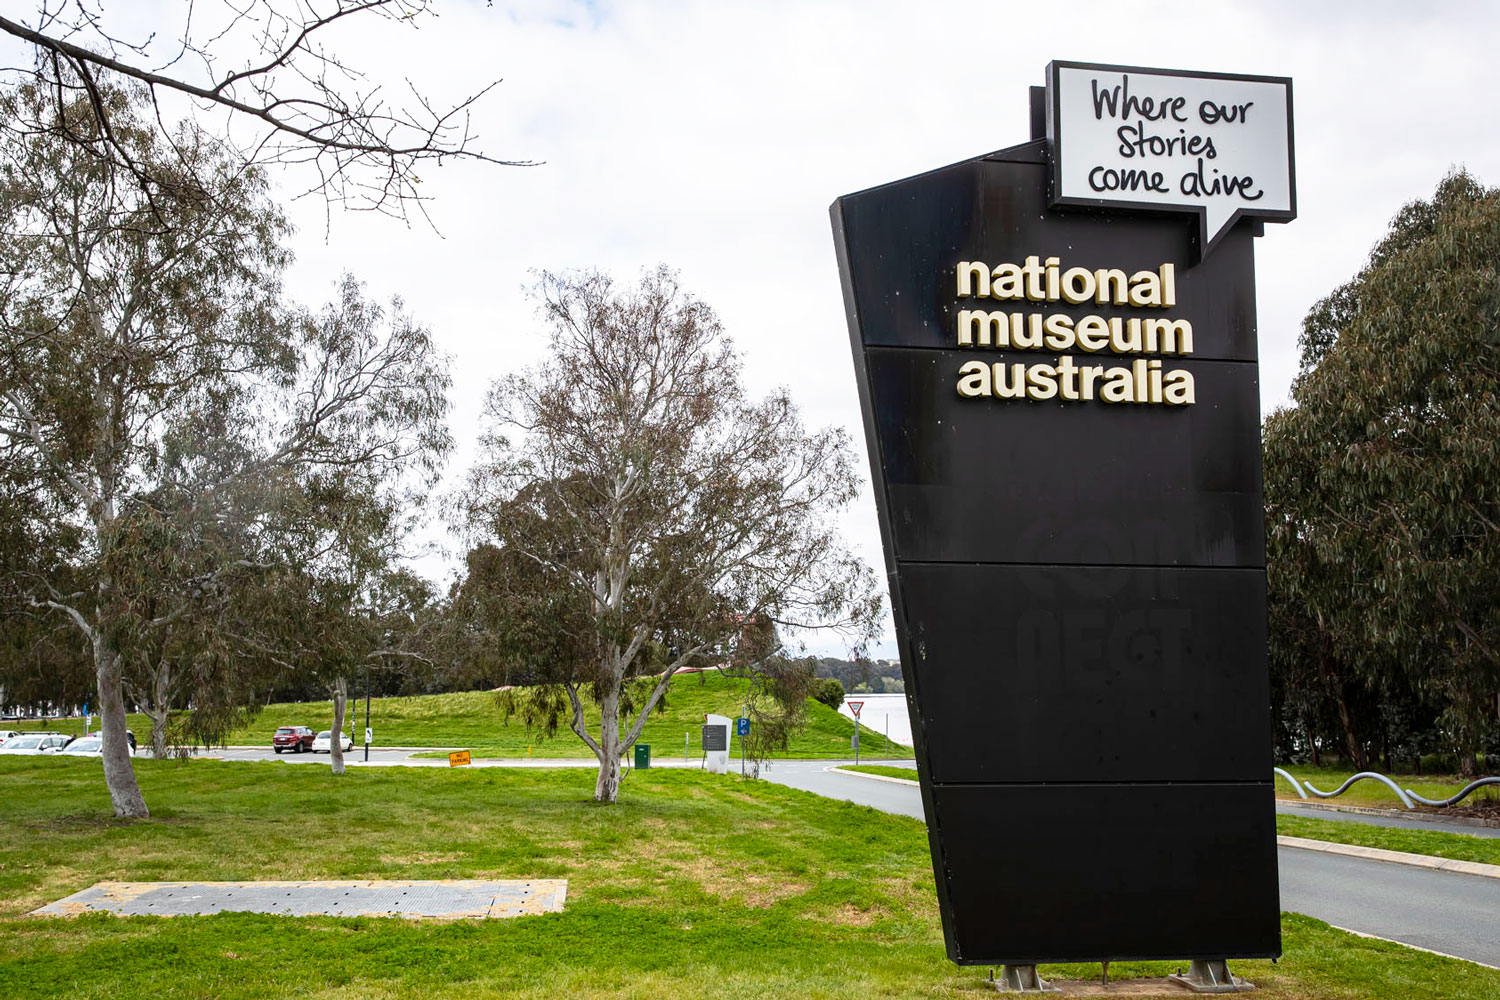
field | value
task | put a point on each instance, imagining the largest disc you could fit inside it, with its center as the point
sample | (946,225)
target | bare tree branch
(305,104)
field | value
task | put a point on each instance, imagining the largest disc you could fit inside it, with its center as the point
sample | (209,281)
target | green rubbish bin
(643,755)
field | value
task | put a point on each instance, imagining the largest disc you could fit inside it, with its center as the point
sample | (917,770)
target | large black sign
(1076,560)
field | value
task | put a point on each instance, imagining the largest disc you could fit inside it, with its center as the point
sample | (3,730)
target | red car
(294,738)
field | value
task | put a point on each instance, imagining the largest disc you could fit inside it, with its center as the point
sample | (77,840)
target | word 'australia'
(1142,382)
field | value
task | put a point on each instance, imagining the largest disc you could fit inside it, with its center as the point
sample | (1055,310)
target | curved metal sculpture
(1456,798)
(1296,787)
(1363,774)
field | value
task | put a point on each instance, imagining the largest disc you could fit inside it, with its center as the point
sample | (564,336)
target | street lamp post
(367,713)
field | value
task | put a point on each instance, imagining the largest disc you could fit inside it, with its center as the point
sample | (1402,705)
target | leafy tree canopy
(637,512)
(1383,480)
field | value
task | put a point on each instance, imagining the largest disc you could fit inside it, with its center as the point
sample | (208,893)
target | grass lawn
(1374,793)
(471,720)
(904,773)
(694,885)
(1458,846)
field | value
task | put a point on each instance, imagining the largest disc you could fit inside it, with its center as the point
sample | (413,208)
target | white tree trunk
(119,774)
(156,707)
(607,788)
(336,738)
(158,717)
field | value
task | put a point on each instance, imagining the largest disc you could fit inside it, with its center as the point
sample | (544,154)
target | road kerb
(875,777)
(1393,857)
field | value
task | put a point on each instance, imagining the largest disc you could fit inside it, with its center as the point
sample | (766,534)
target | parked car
(6,734)
(85,746)
(98,736)
(293,738)
(31,744)
(324,740)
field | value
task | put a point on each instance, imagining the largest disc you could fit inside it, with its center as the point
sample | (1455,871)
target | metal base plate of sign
(1212,976)
(1023,979)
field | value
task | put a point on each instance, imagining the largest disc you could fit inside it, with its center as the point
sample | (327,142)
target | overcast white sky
(713,136)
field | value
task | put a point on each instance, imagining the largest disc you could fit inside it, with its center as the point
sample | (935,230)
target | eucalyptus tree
(189,576)
(364,611)
(1383,480)
(151,379)
(42,664)
(643,513)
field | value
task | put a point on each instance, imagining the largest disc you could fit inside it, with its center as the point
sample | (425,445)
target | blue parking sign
(742,726)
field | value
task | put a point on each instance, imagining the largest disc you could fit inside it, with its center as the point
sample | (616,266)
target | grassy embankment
(1374,793)
(694,885)
(1458,846)
(472,720)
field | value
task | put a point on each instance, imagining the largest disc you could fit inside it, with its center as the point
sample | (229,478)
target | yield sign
(855,706)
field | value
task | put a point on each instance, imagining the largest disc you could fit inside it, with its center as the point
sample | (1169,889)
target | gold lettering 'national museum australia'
(1068,378)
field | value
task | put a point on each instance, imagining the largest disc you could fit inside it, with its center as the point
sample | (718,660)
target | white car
(32,744)
(85,746)
(322,740)
(6,734)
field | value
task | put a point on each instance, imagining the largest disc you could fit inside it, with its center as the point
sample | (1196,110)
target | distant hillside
(874,676)
(473,720)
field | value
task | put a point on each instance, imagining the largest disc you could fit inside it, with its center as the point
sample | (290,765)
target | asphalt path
(407,757)
(355,756)
(1447,912)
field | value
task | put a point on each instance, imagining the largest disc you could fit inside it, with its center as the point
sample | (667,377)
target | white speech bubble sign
(1215,144)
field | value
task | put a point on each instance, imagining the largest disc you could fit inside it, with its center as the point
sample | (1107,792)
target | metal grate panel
(447,899)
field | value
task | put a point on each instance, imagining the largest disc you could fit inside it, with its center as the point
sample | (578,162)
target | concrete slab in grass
(447,899)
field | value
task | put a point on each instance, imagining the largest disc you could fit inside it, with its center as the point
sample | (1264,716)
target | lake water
(880,714)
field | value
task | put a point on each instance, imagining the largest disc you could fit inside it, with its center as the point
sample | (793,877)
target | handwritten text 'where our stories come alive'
(1150,136)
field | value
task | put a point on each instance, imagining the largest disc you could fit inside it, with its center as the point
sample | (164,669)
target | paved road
(1441,911)
(815,776)
(407,757)
(352,757)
